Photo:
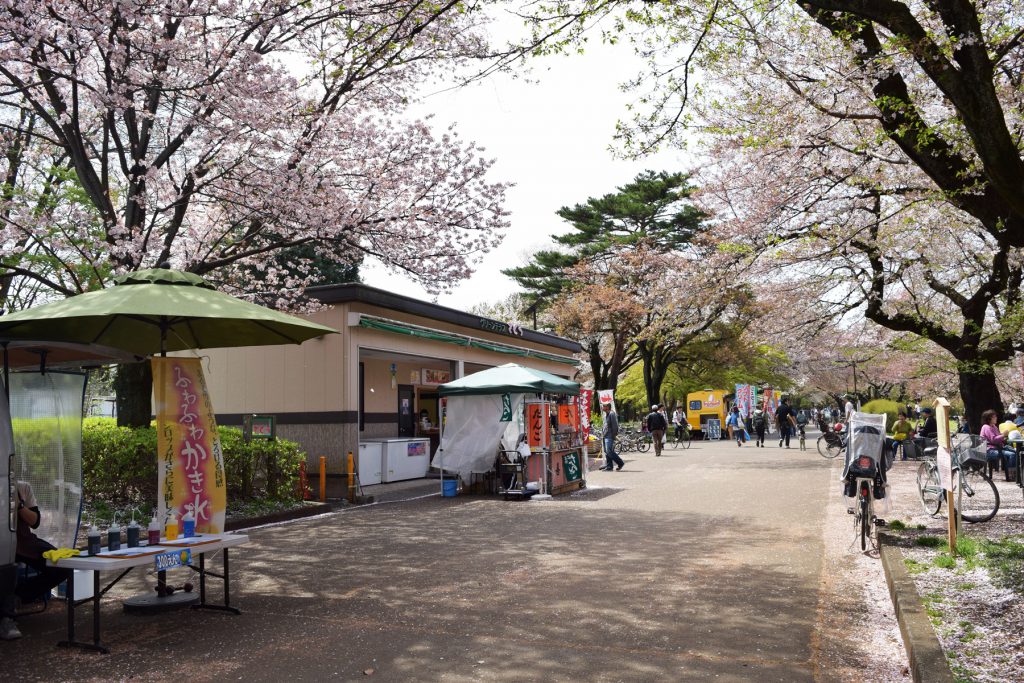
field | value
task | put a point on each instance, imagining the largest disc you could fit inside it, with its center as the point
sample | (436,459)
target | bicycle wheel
(865,522)
(980,499)
(643,445)
(829,446)
(685,440)
(929,488)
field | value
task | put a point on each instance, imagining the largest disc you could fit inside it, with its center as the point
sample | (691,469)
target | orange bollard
(323,479)
(351,478)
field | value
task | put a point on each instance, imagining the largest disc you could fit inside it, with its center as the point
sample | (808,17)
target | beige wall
(275,379)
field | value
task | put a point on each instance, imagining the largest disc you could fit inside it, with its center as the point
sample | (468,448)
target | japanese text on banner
(190,460)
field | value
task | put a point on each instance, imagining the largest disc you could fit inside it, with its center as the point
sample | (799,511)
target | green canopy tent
(477,413)
(509,379)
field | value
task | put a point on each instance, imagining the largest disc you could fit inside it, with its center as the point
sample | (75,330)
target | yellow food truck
(704,405)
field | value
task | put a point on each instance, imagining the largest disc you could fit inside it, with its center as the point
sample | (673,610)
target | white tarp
(472,430)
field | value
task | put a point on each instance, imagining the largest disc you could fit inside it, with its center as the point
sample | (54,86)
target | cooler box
(405,459)
(369,462)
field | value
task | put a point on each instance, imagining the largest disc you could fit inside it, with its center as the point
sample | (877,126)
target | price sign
(175,558)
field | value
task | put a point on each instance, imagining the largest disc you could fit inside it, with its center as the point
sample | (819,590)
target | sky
(550,137)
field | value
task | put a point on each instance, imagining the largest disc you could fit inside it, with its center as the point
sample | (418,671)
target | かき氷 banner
(190,462)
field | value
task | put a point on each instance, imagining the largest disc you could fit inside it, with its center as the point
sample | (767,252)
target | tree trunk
(134,388)
(979,391)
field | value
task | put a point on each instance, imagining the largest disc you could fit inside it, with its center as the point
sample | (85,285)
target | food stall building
(376,382)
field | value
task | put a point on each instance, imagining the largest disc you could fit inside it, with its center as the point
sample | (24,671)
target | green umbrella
(509,379)
(158,310)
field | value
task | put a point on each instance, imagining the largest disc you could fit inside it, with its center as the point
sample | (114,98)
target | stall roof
(358,292)
(509,378)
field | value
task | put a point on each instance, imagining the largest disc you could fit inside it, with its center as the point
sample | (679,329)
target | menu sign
(537,425)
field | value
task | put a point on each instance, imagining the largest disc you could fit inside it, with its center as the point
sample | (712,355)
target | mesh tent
(46,416)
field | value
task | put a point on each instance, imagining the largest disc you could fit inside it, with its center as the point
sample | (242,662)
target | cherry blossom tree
(258,143)
(867,152)
(212,134)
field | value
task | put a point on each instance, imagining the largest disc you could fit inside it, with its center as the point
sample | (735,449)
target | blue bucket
(450,488)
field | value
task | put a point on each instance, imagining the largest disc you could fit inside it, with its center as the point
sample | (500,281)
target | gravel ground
(979,622)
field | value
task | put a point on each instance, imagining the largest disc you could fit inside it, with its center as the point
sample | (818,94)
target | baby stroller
(864,475)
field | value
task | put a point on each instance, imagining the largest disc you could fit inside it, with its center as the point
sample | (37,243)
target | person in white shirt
(848,410)
(679,420)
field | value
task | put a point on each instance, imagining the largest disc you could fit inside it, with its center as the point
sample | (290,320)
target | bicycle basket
(971,451)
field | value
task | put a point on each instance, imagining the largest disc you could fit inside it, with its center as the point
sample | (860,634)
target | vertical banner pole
(944,458)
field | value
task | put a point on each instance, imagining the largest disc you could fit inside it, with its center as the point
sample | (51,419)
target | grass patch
(920,527)
(1005,562)
(968,633)
(915,567)
(966,586)
(930,542)
(897,525)
(944,561)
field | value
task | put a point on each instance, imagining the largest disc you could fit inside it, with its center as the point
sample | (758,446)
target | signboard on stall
(607,397)
(434,376)
(713,428)
(571,466)
(190,462)
(537,425)
(568,416)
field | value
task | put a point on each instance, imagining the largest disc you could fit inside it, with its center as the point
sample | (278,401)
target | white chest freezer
(369,464)
(405,458)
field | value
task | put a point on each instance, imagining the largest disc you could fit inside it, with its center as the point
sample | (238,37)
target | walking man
(656,425)
(787,423)
(608,434)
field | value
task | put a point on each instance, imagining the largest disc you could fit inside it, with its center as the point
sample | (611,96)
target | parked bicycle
(864,476)
(629,440)
(832,441)
(978,495)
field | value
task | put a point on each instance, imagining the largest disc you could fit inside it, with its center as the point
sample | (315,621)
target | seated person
(1019,420)
(997,451)
(930,428)
(425,423)
(31,548)
(901,430)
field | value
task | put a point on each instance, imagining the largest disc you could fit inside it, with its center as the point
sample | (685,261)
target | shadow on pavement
(472,590)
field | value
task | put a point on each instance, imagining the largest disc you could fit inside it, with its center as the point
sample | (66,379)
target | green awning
(459,340)
(509,379)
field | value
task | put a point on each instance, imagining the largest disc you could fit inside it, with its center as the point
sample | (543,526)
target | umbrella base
(151,603)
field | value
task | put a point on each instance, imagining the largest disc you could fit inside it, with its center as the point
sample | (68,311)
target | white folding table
(200,545)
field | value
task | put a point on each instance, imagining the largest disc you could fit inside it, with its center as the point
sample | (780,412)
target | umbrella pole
(7,374)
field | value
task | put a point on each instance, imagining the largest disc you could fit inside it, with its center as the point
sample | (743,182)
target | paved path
(702,564)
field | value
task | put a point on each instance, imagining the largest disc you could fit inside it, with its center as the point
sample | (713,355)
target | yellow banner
(190,460)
